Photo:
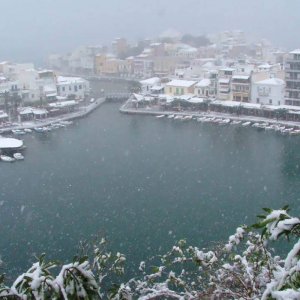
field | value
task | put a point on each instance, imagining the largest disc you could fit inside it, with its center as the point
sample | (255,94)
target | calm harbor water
(142,181)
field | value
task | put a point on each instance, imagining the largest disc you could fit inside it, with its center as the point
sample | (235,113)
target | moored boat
(18,131)
(160,116)
(18,156)
(245,124)
(295,132)
(7,158)
(39,129)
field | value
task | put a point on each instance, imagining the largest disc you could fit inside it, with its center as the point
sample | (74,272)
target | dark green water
(143,181)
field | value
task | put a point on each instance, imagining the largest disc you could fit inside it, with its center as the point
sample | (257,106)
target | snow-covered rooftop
(203,83)
(264,66)
(296,51)
(236,103)
(227,69)
(150,81)
(63,104)
(181,83)
(196,100)
(3,115)
(243,77)
(271,81)
(9,143)
(68,80)
(32,110)
(156,88)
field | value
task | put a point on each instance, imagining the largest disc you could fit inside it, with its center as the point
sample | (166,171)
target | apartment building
(241,88)
(292,78)
(268,92)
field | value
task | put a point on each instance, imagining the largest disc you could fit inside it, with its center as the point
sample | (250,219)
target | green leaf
(261,216)
(83,259)
(268,210)
(286,207)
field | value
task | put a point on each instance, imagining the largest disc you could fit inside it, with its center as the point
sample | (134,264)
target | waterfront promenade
(81,112)
(155,110)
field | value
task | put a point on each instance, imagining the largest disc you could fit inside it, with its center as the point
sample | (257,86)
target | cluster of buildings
(240,81)
(265,87)
(21,85)
(224,66)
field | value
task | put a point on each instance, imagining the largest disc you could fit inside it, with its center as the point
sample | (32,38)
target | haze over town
(35,29)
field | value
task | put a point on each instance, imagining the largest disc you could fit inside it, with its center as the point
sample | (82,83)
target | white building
(205,88)
(269,91)
(72,87)
(149,83)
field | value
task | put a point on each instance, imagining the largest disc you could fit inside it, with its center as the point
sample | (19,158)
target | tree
(195,41)
(243,268)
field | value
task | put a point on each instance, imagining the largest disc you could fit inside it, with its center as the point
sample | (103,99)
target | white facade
(268,92)
(149,83)
(72,87)
(205,88)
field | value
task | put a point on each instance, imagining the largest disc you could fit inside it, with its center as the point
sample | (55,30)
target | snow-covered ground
(83,111)
(155,111)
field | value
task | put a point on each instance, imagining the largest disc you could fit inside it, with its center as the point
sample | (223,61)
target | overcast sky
(32,29)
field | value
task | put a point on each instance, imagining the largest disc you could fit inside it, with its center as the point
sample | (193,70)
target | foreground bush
(243,268)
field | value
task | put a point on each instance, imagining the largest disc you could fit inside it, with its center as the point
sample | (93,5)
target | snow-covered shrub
(242,268)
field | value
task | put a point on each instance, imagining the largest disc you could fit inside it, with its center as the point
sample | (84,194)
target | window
(182,91)
(80,87)
(170,89)
(63,88)
(257,100)
(270,101)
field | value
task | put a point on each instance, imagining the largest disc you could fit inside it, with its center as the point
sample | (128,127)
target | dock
(82,112)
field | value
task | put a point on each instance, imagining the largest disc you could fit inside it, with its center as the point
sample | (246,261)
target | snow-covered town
(150,150)
(211,78)
(224,66)
(219,73)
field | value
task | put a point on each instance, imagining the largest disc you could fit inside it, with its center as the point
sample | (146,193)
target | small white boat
(269,128)
(236,122)
(224,122)
(66,122)
(178,117)
(170,116)
(255,125)
(262,125)
(160,116)
(286,131)
(208,120)
(18,131)
(27,130)
(217,120)
(188,117)
(200,119)
(18,156)
(7,158)
(39,129)
(245,124)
